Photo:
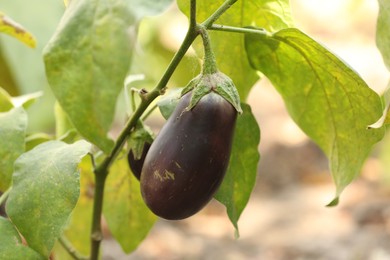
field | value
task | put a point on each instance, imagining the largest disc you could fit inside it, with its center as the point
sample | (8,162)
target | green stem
(70,249)
(96,232)
(5,195)
(225,28)
(148,113)
(221,10)
(101,171)
(210,64)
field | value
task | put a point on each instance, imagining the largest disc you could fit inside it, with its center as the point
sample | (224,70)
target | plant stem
(225,28)
(96,232)
(210,64)
(70,249)
(222,9)
(101,171)
(5,195)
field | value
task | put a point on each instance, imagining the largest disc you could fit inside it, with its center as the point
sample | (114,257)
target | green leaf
(229,47)
(5,101)
(10,27)
(142,8)
(382,31)
(11,246)
(169,101)
(86,62)
(26,100)
(127,216)
(13,126)
(45,191)
(325,97)
(240,178)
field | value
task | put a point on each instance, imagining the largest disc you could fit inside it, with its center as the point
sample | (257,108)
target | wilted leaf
(45,190)
(13,126)
(326,98)
(127,216)
(241,175)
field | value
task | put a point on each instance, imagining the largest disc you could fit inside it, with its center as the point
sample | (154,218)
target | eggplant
(135,164)
(187,161)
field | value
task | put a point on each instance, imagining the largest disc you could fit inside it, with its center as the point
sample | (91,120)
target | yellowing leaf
(12,28)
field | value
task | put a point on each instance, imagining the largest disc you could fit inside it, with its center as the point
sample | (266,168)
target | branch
(70,249)
(221,10)
(225,28)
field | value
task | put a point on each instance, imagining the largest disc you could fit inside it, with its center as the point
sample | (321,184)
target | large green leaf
(127,216)
(383,32)
(13,126)
(229,47)
(87,60)
(326,98)
(45,190)
(11,246)
(241,175)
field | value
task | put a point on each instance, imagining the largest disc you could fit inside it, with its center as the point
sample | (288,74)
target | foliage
(55,192)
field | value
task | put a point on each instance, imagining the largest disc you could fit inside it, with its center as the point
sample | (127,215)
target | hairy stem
(70,249)
(225,28)
(210,64)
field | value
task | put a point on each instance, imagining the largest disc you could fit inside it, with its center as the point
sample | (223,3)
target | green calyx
(141,135)
(216,82)
(211,79)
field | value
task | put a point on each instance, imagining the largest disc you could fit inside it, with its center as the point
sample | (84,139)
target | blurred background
(286,217)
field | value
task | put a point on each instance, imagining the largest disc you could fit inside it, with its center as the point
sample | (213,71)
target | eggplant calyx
(218,83)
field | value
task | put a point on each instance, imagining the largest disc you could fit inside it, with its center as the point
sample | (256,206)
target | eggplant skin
(136,164)
(188,159)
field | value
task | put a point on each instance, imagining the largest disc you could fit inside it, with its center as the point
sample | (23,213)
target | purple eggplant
(187,161)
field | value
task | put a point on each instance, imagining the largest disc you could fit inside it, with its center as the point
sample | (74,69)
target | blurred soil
(287,217)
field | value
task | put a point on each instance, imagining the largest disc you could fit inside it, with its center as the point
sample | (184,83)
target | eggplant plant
(58,184)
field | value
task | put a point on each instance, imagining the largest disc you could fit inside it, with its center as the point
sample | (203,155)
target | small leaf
(11,246)
(168,102)
(5,101)
(240,178)
(326,98)
(382,31)
(87,60)
(229,47)
(127,216)
(12,28)
(45,191)
(13,126)
(26,100)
